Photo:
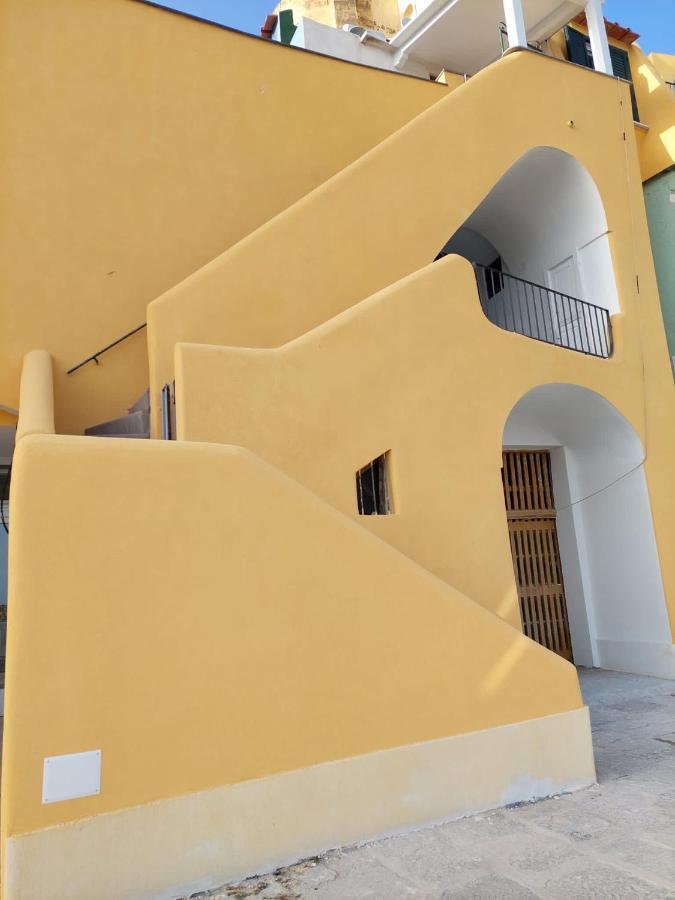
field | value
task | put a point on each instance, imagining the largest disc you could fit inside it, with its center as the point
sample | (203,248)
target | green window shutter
(578,50)
(621,66)
(286,27)
(620,62)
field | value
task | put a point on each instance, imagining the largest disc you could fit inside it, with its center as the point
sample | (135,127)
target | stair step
(127,435)
(142,404)
(135,424)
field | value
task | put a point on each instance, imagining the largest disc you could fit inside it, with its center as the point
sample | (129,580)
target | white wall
(594,262)
(611,568)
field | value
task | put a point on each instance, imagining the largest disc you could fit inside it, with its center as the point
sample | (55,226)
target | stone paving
(614,840)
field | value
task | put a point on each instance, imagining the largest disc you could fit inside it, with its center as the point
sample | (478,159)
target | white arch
(545,210)
(615,597)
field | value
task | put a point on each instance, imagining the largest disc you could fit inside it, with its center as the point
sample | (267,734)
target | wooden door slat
(530,509)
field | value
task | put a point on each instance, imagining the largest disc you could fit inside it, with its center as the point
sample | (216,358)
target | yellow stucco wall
(136,145)
(655,100)
(664,63)
(656,105)
(403,221)
(175,603)
(406,370)
(203,620)
(405,227)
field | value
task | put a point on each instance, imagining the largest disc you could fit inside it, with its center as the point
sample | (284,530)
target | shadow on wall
(615,597)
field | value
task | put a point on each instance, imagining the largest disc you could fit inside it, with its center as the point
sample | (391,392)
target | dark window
(372,488)
(494,281)
(4,481)
(579,52)
(578,48)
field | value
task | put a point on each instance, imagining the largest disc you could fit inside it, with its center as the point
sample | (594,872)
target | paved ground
(615,840)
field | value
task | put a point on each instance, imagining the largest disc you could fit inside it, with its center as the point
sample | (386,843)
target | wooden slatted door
(530,511)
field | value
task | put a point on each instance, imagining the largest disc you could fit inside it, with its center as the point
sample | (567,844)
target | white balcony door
(567,327)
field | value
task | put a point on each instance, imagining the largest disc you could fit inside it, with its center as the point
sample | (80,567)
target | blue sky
(654,20)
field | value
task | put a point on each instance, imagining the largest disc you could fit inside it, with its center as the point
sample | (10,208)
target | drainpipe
(602,61)
(515,23)
(268,26)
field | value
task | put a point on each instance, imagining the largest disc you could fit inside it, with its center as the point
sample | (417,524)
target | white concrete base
(637,657)
(185,844)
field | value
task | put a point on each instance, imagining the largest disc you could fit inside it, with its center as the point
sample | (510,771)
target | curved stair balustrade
(538,312)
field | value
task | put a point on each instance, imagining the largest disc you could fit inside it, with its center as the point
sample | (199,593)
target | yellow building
(386,434)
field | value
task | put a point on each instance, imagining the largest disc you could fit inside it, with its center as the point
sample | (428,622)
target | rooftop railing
(538,312)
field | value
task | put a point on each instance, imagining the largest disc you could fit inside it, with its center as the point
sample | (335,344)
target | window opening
(372,488)
(494,280)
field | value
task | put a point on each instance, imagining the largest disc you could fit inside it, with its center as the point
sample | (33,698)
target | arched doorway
(612,580)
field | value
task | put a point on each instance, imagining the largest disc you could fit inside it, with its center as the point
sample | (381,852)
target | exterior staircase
(136,424)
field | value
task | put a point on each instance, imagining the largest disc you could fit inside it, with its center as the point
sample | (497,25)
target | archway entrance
(610,574)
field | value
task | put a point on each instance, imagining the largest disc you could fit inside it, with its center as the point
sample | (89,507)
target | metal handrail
(538,312)
(94,357)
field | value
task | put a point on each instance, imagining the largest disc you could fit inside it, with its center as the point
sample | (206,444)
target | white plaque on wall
(71,775)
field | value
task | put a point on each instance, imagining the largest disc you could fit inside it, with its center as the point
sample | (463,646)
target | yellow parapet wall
(36,404)
(178,605)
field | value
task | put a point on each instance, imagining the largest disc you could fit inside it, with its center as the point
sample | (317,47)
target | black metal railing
(167,418)
(6,475)
(94,356)
(538,312)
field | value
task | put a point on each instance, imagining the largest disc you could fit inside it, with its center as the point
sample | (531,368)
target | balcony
(542,314)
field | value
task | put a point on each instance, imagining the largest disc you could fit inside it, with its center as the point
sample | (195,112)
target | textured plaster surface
(614,840)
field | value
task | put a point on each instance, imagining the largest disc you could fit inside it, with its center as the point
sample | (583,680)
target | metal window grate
(543,314)
(372,488)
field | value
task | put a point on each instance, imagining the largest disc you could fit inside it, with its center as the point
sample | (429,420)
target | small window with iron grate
(373,494)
